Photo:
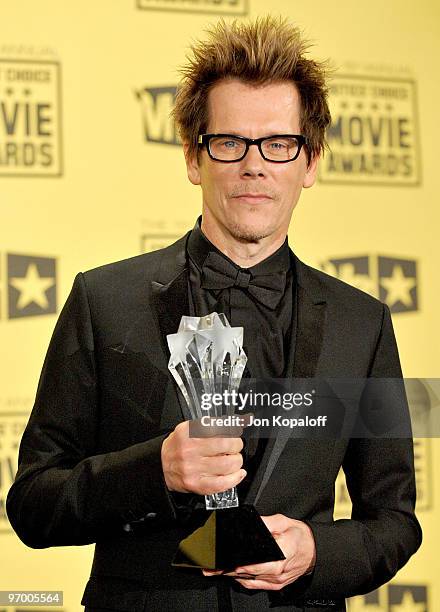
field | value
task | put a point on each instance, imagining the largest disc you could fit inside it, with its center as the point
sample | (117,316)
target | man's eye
(279,146)
(229,144)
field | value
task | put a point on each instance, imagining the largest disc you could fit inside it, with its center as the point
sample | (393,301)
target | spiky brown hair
(265,50)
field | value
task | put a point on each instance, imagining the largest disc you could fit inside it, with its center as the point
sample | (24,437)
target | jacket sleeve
(64,493)
(357,555)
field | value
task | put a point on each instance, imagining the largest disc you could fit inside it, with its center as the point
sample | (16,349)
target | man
(106,456)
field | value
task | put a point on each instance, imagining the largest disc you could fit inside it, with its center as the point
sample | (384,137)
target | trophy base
(228,539)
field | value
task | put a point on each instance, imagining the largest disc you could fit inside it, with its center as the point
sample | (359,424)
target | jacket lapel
(169,301)
(305,348)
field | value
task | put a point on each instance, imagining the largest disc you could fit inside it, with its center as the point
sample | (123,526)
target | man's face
(251,199)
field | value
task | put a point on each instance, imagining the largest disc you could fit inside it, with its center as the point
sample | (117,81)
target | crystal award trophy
(207,358)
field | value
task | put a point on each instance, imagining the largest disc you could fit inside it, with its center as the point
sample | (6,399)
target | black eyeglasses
(280,148)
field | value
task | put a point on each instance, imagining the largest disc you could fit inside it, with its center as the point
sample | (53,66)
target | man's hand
(296,540)
(201,465)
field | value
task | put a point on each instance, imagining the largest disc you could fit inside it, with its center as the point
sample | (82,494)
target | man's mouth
(253,198)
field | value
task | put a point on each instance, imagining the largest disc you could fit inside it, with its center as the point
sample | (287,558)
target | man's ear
(192,165)
(311,172)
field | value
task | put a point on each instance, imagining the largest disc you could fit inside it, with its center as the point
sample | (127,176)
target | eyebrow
(229,133)
(234,133)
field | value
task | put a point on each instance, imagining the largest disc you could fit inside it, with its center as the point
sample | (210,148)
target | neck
(245,254)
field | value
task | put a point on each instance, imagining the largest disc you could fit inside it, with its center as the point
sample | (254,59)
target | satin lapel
(305,349)
(169,301)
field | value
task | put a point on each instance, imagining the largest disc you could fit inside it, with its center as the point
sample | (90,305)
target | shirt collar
(199,247)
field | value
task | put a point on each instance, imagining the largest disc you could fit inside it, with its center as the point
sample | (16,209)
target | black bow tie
(218,273)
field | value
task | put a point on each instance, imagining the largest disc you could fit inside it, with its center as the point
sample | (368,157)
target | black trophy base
(229,538)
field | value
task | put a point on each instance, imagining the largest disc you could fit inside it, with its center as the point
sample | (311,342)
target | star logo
(407,598)
(392,280)
(32,288)
(398,287)
(32,285)
(392,598)
(408,604)
(398,283)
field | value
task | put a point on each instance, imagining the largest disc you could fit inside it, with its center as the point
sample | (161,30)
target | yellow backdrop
(91,172)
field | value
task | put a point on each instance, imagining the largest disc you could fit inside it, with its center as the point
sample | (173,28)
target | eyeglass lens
(277,149)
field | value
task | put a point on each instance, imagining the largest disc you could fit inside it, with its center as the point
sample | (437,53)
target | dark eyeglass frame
(204,139)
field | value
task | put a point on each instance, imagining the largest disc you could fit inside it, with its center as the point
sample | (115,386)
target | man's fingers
(221,465)
(210,447)
(277,523)
(273,568)
(217,484)
(211,428)
(260,584)
(201,465)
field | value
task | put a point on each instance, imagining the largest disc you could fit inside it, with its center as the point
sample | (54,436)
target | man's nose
(253,164)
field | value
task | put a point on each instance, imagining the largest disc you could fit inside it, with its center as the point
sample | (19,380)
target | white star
(32,287)
(398,287)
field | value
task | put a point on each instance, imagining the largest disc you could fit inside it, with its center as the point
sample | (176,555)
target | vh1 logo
(156,104)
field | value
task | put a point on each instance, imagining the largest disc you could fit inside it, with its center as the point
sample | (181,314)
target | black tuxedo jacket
(89,461)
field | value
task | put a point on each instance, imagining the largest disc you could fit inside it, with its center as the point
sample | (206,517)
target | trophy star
(188,323)
(229,340)
(212,329)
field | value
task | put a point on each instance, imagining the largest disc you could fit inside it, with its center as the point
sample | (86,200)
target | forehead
(238,107)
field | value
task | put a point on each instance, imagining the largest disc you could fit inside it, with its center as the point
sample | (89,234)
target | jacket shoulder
(139,268)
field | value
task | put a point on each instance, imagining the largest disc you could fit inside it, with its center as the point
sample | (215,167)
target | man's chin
(248,233)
